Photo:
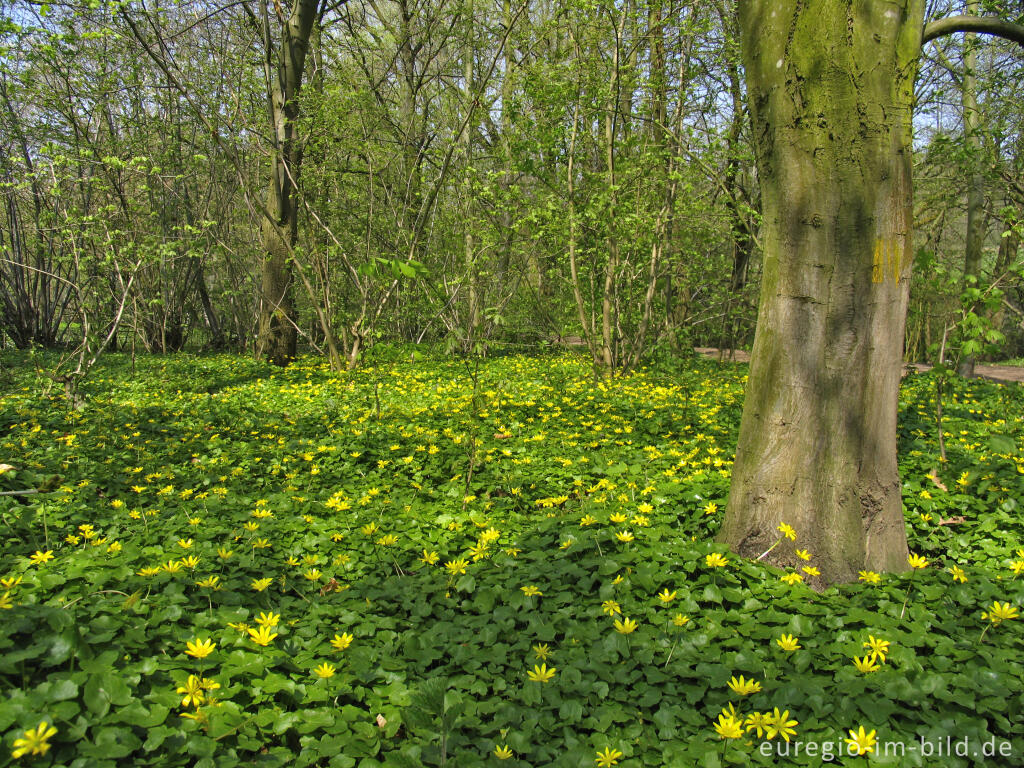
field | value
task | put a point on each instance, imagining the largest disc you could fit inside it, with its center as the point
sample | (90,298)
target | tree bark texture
(279,229)
(830,86)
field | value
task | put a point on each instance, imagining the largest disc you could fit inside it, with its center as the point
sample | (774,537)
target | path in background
(1010,373)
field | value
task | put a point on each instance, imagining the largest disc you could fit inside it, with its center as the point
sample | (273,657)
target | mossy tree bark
(277,339)
(830,91)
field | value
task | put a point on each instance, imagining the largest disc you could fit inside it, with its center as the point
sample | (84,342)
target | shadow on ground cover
(304,510)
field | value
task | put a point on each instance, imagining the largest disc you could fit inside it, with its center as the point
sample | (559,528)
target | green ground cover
(422,563)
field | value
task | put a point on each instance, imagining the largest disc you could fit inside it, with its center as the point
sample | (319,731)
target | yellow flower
(541,674)
(369,529)
(791,578)
(610,607)
(35,741)
(667,597)
(744,687)
(679,620)
(5,601)
(185,543)
(779,724)
(455,567)
(878,647)
(325,670)
(503,752)
(240,626)
(261,584)
(268,619)
(587,520)
(788,643)
(39,558)
(710,508)
(624,536)
(10,582)
(173,566)
(787,531)
(758,722)
(541,651)
(531,590)
(917,561)
(1000,612)
(566,544)
(869,577)
(262,636)
(608,758)
(313,574)
(429,558)
(810,570)
(715,560)
(149,570)
(625,626)
(617,518)
(728,727)
(224,553)
(190,562)
(342,641)
(860,742)
(193,690)
(1017,566)
(200,649)
(803,554)
(959,574)
(387,540)
(261,544)
(867,664)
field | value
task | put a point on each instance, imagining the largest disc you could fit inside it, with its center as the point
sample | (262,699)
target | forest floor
(1005,373)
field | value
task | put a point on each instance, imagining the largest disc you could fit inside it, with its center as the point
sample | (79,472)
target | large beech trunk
(830,86)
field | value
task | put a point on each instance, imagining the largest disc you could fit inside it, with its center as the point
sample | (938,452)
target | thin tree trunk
(976,181)
(279,228)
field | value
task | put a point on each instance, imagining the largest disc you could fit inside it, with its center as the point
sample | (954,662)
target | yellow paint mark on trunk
(887,259)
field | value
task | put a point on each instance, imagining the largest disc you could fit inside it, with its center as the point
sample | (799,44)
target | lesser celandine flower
(917,562)
(810,570)
(262,636)
(958,574)
(608,757)
(791,578)
(779,724)
(715,560)
(728,727)
(193,690)
(744,687)
(861,743)
(787,531)
(200,649)
(869,577)
(342,641)
(624,536)
(41,557)
(35,741)
(667,597)
(611,607)
(541,674)
(625,626)
(325,670)
(503,752)
(1000,612)
(788,643)
(541,651)
(878,647)
(531,590)
(456,567)
(867,664)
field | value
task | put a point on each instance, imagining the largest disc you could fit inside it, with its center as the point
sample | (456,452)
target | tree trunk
(976,181)
(279,229)
(830,94)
